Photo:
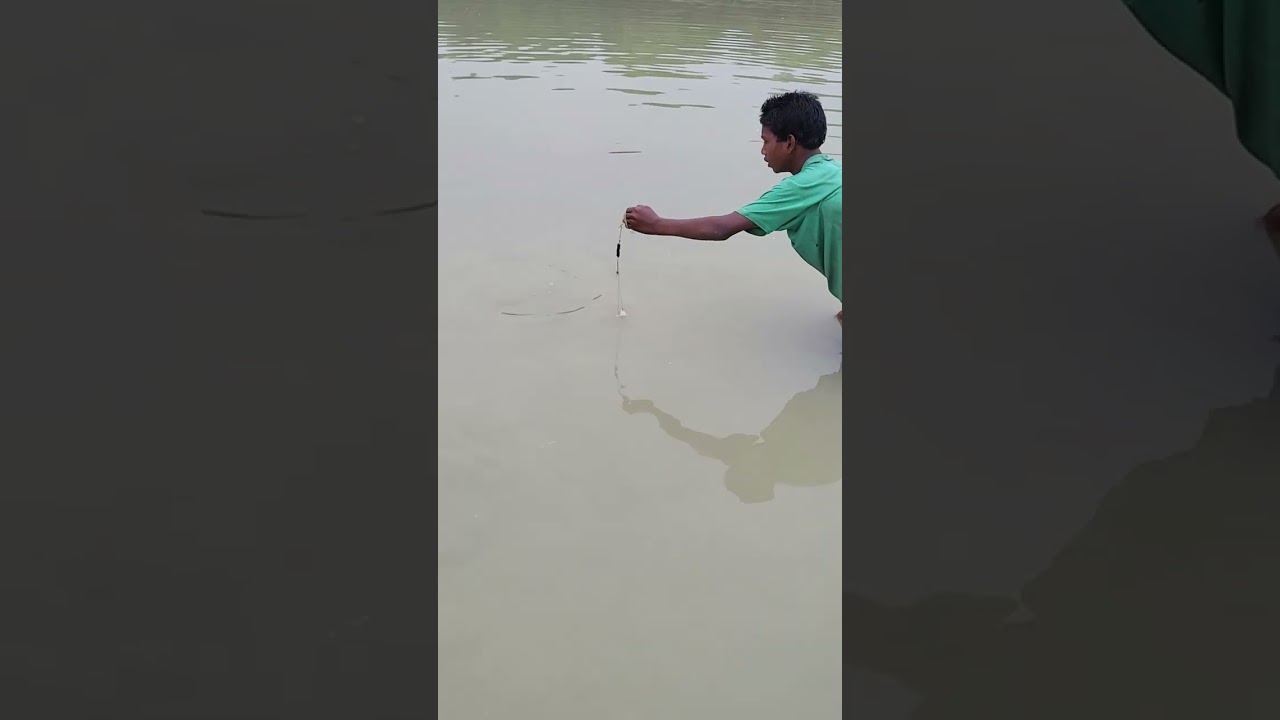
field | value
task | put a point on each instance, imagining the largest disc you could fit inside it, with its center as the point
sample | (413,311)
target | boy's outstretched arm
(644,220)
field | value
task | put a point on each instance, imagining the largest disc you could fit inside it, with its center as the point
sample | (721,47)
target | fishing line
(617,268)
(561,312)
(617,352)
(617,271)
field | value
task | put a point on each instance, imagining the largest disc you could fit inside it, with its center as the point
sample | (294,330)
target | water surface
(639,518)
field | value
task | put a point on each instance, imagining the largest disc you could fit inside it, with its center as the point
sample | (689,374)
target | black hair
(796,113)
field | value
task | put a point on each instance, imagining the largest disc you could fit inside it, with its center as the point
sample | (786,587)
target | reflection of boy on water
(807,205)
(801,447)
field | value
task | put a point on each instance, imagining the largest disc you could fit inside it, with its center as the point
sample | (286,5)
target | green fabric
(808,206)
(1234,44)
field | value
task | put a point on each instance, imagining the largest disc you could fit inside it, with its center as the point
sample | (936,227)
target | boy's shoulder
(820,172)
(826,163)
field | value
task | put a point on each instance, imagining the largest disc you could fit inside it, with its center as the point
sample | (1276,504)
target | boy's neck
(802,157)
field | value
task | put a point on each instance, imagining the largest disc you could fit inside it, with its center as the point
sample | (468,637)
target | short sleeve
(778,207)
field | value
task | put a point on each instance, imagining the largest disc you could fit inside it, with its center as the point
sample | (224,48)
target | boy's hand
(641,219)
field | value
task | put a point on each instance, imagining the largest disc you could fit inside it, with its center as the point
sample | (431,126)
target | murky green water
(1059,361)
(639,518)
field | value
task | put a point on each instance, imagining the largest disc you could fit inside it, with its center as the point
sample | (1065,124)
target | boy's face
(776,152)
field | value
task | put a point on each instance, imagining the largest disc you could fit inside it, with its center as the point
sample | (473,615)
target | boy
(807,205)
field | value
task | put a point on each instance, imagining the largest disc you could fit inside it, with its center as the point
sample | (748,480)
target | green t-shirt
(808,206)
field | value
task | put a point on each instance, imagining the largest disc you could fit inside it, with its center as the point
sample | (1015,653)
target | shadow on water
(800,448)
(1162,606)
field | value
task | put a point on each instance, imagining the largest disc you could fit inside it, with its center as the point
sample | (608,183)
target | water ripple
(799,40)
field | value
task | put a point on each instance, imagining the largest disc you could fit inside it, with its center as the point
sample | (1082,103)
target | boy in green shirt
(807,205)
